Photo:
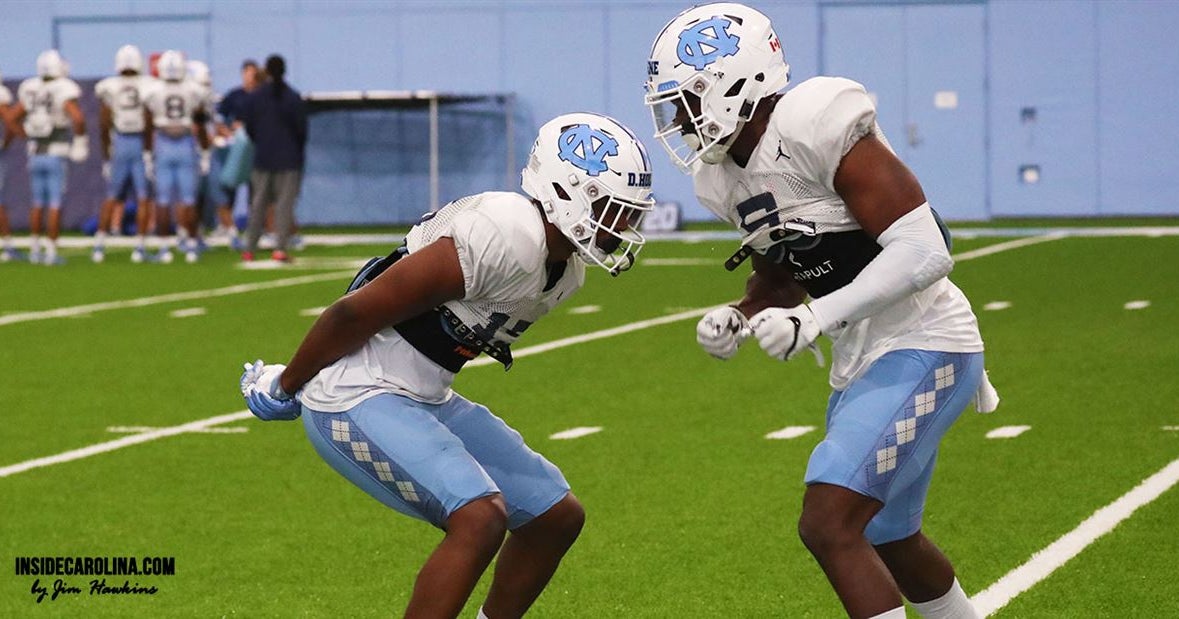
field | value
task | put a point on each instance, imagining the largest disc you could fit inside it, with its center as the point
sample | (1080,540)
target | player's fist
(264,396)
(784,332)
(721,331)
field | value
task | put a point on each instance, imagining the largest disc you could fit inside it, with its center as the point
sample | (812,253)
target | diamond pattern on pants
(407,491)
(340,431)
(383,471)
(886,460)
(906,430)
(924,403)
(360,451)
(944,376)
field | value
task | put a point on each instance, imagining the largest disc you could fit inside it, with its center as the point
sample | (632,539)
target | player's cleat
(164,257)
(55,260)
(98,255)
(138,256)
(235,242)
(191,256)
(247,256)
(279,255)
(10,254)
(35,256)
(296,242)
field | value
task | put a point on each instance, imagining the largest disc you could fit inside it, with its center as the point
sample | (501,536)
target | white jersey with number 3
(500,239)
(173,105)
(125,95)
(789,180)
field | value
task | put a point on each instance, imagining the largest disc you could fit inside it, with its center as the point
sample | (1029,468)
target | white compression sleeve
(913,258)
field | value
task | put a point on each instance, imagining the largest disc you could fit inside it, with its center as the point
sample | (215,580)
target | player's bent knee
(562,522)
(482,522)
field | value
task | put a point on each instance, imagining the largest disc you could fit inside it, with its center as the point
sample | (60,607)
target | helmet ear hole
(735,89)
(561,193)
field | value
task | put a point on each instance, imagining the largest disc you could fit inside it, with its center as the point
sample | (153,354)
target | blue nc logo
(703,43)
(586,148)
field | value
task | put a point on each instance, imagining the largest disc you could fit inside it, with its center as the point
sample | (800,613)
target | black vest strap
(438,333)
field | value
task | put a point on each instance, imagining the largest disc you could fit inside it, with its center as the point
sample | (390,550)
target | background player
(123,125)
(174,105)
(55,128)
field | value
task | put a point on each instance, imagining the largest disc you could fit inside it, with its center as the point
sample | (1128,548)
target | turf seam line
(1056,554)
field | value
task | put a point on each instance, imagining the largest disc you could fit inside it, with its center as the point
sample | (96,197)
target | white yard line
(80,310)
(1046,561)
(126,441)
(790,432)
(578,432)
(1006,245)
(1008,431)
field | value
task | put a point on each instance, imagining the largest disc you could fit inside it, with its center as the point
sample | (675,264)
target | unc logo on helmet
(701,44)
(586,148)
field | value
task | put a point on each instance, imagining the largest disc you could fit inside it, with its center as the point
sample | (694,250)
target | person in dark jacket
(276,120)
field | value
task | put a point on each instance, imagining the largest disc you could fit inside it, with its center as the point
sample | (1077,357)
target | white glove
(220,141)
(205,162)
(80,148)
(784,332)
(106,171)
(149,165)
(721,331)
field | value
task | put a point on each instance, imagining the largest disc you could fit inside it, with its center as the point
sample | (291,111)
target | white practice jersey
(789,181)
(173,105)
(125,96)
(500,240)
(44,102)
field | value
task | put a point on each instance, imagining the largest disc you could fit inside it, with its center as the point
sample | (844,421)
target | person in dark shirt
(276,121)
(232,106)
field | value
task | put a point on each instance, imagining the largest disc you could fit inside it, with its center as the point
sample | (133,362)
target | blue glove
(264,396)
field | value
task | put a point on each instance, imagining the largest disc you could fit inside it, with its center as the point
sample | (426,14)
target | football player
(55,128)
(373,377)
(215,194)
(828,211)
(174,106)
(7,251)
(123,123)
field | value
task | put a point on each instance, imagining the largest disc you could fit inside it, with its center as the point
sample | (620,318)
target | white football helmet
(592,178)
(171,66)
(128,58)
(709,69)
(50,65)
(198,72)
